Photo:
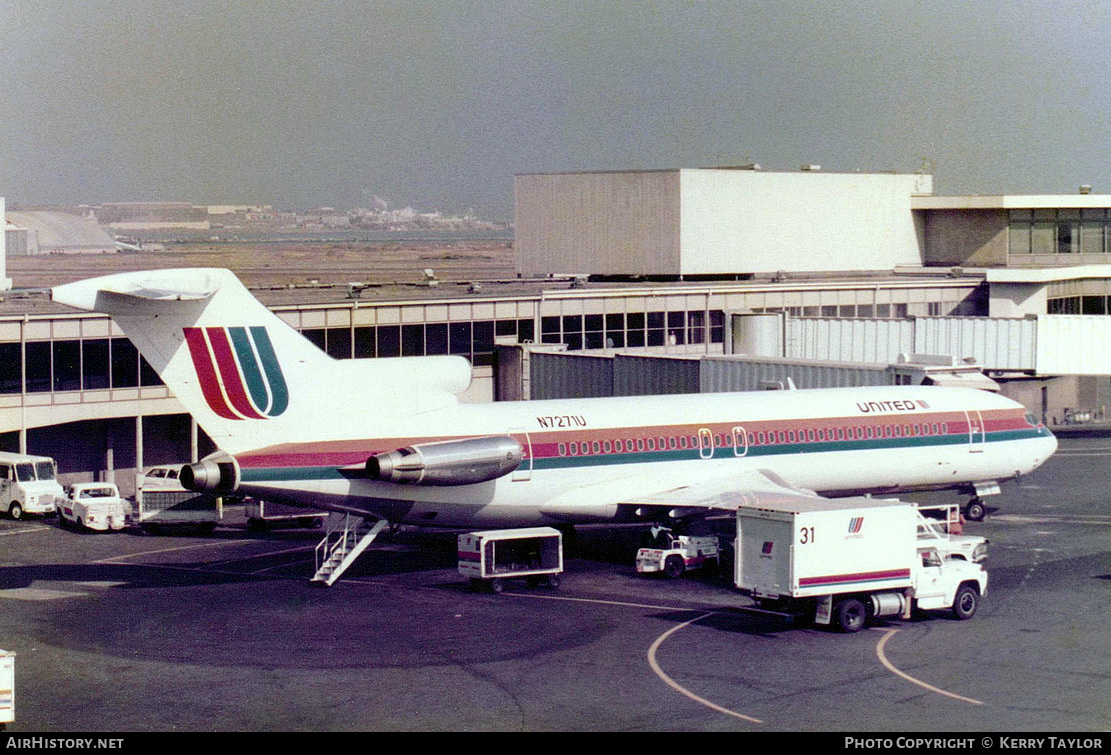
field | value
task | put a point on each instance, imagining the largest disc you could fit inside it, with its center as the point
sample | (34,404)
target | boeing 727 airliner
(387,439)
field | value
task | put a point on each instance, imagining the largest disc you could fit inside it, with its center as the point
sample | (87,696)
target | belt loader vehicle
(670,554)
(940,527)
(846,561)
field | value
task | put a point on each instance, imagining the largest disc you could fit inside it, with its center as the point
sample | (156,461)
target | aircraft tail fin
(249,378)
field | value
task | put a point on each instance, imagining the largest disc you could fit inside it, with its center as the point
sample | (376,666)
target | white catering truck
(7,688)
(849,560)
(28,485)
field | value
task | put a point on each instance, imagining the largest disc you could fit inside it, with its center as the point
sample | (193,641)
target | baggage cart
(489,558)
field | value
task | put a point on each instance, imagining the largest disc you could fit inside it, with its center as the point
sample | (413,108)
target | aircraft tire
(974,511)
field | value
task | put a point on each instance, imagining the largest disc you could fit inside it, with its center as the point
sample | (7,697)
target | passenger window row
(757,438)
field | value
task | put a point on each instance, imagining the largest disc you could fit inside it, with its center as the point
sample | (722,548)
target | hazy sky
(438,103)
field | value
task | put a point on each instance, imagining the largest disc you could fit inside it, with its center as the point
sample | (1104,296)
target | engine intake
(449,462)
(210,476)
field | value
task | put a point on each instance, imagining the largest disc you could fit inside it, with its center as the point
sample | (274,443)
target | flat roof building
(711,222)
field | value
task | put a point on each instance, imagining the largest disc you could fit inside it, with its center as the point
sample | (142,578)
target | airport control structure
(643,282)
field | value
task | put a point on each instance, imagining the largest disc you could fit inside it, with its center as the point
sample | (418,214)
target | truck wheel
(553,581)
(850,615)
(496,586)
(15,511)
(966,602)
(974,511)
(673,567)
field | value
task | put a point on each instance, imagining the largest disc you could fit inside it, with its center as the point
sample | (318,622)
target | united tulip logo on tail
(238,372)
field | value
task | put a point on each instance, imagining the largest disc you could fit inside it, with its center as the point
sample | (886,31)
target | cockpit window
(1031,419)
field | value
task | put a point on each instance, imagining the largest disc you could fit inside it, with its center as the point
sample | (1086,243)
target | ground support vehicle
(671,555)
(489,558)
(28,485)
(7,688)
(846,561)
(263,515)
(94,506)
(161,501)
(940,527)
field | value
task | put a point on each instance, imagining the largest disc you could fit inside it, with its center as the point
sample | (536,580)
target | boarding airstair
(346,539)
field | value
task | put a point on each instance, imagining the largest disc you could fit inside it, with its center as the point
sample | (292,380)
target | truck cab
(94,506)
(948,583)
(28,485)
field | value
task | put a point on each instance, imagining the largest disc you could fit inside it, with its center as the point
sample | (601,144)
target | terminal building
(682,266)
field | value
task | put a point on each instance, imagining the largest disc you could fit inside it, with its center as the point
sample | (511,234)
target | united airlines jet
(387,439)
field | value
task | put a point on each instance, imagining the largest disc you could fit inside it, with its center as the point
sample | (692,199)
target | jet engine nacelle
(217,476)
(449,462)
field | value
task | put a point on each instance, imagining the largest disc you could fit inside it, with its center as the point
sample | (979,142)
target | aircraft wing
(726,493)
(702,497)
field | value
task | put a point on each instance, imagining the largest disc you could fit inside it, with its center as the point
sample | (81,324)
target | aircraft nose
(1051,445)
(1047,448)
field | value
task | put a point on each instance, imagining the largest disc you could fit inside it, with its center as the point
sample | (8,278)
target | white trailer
(849,560)
(534,554)
(264,515)
(161,501)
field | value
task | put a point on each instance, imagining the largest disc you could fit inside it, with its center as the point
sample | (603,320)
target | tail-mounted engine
(450,462)
(217,476)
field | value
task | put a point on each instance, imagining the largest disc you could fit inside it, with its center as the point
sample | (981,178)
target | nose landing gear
(974,510)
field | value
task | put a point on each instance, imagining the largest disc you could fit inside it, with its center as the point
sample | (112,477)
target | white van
(28,485)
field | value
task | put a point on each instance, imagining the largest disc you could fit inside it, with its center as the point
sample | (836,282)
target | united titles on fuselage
(872,407)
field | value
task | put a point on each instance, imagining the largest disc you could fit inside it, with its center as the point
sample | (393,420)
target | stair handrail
(326,549)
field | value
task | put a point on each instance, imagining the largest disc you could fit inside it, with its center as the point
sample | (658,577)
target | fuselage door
(522,473)
(975,431)
(740,441)
(705,443)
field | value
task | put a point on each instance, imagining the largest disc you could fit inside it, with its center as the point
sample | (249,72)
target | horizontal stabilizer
(127,291)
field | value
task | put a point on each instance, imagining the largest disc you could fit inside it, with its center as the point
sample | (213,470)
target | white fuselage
(592,459)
